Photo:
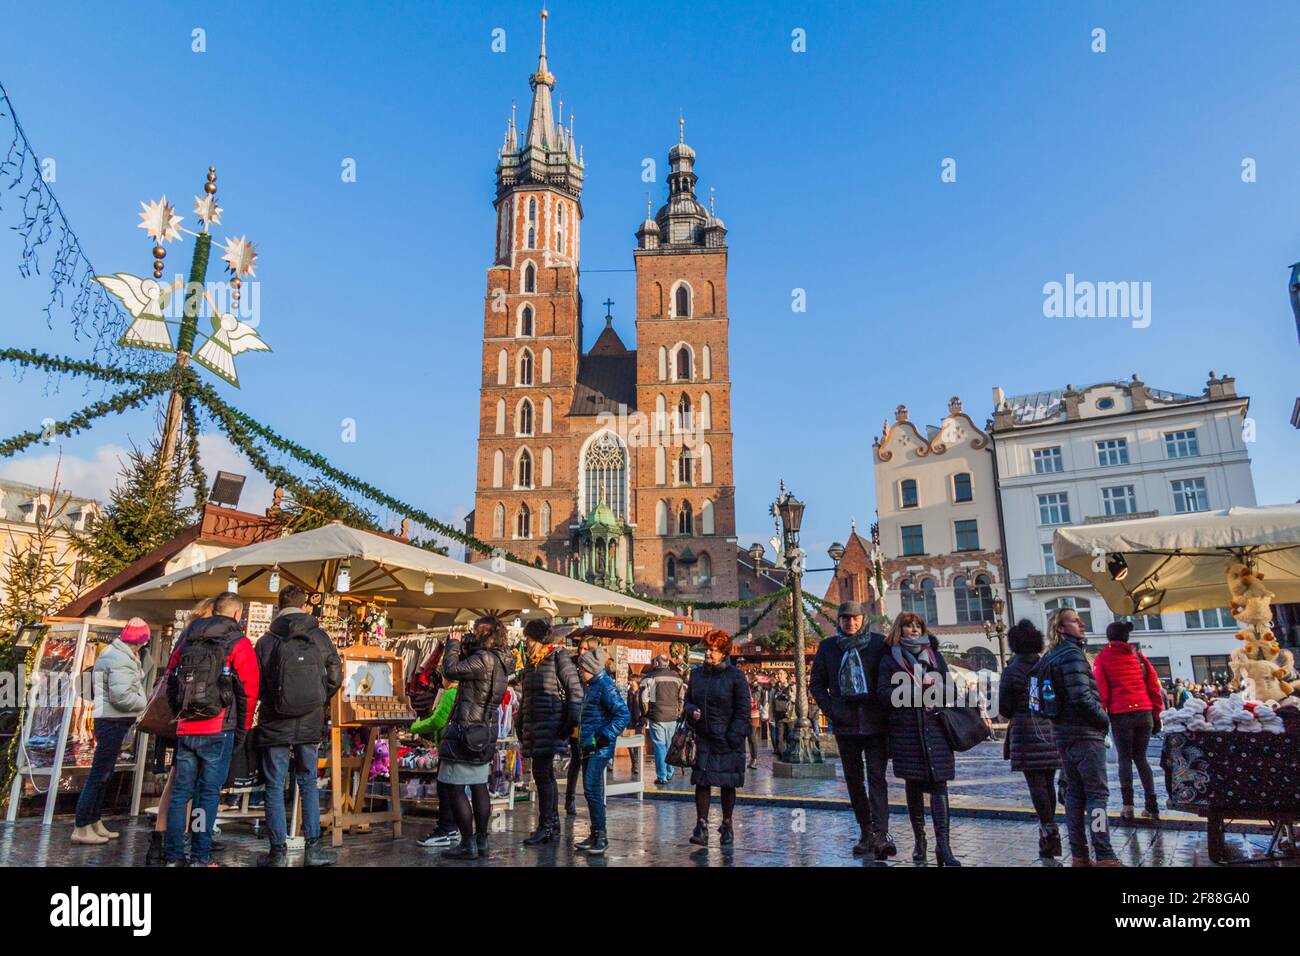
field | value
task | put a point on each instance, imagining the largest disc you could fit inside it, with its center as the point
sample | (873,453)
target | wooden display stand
(373,697)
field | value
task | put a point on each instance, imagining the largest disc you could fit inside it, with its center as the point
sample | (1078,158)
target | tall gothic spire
(541,125)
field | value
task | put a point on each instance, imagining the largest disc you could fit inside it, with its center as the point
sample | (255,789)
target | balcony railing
(1106,519)
(1063,579)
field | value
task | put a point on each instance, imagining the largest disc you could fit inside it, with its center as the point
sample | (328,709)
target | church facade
(615,464)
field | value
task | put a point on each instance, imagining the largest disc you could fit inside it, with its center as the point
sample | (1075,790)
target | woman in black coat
(1031,744)
(551,709)
(717,709)
(913,683)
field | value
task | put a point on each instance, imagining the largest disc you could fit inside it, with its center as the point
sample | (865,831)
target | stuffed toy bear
(1250,599)
(1261,680)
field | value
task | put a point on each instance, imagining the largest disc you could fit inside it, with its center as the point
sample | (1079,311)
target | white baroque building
(1109,452)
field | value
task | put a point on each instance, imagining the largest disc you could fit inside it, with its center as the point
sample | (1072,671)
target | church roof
(605,382)
(609,343)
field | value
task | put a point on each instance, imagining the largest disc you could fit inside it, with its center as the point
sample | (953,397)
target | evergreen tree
(316,504)
(35,577)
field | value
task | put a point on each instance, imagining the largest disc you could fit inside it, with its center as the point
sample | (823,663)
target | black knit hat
(1119,630)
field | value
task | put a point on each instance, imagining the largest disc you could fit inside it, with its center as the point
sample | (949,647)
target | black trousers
(1042,792)
(575,769)
(548,791)
(864,757)
(1132,733)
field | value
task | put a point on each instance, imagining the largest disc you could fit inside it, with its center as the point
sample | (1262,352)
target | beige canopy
(572,596)
(379,567)
(1179,562)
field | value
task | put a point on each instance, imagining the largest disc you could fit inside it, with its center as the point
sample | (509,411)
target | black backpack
(200,687)
(1045,687)
(297,676)
(780,702)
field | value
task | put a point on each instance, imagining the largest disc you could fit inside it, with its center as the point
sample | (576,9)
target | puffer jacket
(1030,738)
(1126,680)
(1081,716)
(604,717)
(481,676)
(722,695)
(282,730)
(119,682)
(661,695)
(917,745)
(245,676)
(865,717)
(552,704)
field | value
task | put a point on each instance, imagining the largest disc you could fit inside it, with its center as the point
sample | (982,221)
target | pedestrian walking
(782,704)
(717,708)
(551,711)
(212,677)
(119,698)
(480,665)
(1080,725)
(754,725)
(844,674)
(604,717)
(913,684)
(662,692)
(301,671)
(1030,743)
(1129,689)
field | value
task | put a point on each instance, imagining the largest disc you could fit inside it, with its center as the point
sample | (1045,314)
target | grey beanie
(593,662)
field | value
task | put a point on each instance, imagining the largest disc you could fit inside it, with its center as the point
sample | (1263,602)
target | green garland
(69,366)
(197,475)
(776,599)
(81,420)
(821,635)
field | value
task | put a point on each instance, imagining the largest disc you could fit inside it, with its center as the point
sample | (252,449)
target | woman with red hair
(717,709)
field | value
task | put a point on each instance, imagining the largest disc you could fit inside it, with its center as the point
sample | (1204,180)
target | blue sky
(1116,166)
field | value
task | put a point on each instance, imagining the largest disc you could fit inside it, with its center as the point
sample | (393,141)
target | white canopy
(1179,562)
(379,567)
(572,596)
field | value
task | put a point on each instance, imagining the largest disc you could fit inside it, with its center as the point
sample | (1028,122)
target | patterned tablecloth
(1233,771)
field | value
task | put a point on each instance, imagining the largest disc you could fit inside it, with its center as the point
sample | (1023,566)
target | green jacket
(432,726)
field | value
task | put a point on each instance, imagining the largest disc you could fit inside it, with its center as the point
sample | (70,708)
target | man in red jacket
(212,684)
(1130,693)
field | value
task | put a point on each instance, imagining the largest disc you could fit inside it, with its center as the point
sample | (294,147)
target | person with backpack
(551,709)
(661,695)
(1129,689)
(604,718)
(301,671)
(212,676)
(119,698)
(1063,689)
(781,706)
(1179,695)
(1030,743)
(842,683)
(913,684)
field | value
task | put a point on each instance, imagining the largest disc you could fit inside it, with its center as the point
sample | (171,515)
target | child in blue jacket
(604,717)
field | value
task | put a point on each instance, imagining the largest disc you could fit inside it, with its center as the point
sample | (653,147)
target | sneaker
(660,782)
(599,844)
(438,839)
(586,845)
(1151,813)
(318,854)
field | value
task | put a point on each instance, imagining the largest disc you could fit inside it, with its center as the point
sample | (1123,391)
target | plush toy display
(1251,601)
(1260,666)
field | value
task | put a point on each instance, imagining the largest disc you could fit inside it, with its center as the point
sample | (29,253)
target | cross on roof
(608,303)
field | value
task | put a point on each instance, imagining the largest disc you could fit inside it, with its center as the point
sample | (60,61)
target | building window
(545,516)
(913,542)
(1054,508)
(1143,622)
(670,570)
(525,470)
(80,574)
(968,535)
(683,302)
(920,602)
(605,475)
(1082,607)
(1209,619)
(684,413)
(559,229)
(1113,451)
(1190,495)
(961,487)
(704,571)
(532,238)
(684,468)
(1119,500)
(532,209)
(907,493)
(525,418)
(499,521)
(683,364)
(1047,461)
(1181,444)
(526,321)
(685,519)
(523,523)
(530,278)
(974,602)
(526,367)
(1211,668)
(1049,561)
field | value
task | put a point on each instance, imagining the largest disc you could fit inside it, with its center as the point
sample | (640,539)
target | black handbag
(471,741)
(963,726)
(683,750)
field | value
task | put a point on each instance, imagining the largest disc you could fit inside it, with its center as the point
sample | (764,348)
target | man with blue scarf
(843,672)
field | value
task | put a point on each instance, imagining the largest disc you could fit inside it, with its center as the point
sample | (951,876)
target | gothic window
(498,468)
(670,570)
(559,228)
(706,517)
(706,412)
(524,472)
(685,519)
(544,524)
(663,363)
(532,209)
(532,238)
(503,363)
(526,321)
(684,468)
(525,424)
(683,302)
(499,521)
(707,370)
(661,517)
(684,413)
(530,278)
(706,464)
(523,523)
(546,417)
(604,468)
(546,366)
(704,570)
(683,364)
(525,367)
(546,466)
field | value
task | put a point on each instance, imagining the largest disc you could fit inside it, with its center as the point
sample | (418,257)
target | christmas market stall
(1236,758)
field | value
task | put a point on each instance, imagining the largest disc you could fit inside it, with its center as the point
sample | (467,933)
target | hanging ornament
(428,586)
(273,585)
(232,583)
(343,583)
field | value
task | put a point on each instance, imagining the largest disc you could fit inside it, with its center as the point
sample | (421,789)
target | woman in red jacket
(1130,692)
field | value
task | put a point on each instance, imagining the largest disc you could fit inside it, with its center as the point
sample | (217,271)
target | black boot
(481,839)
(542,834)
(1053,840)
(701,835)
(726,836)
(598,845)
(916,813)
(885,847)
(468,850)
(154,855)
(318,854)
(939,811)
(279,856)
(866,843)
(570,805)
(588,843)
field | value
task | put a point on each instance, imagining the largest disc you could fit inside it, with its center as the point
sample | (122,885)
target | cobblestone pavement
(653,833)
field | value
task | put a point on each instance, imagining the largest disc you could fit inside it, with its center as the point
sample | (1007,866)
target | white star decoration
(240,256)
(207,210)
(159,220)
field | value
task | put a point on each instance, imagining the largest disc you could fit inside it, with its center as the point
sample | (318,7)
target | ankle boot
(1053,840)
(700,837)
(86,836)
(571,805)
(542,834)
(318,854)
(726,836)
(154,855)
(939,811)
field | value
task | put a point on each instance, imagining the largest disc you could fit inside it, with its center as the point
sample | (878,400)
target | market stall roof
(572,597)
(1179,562)
(379,567)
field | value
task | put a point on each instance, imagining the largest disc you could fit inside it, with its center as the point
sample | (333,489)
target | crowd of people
(883,697)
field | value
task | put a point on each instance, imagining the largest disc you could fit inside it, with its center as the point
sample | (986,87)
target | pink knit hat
(135,632)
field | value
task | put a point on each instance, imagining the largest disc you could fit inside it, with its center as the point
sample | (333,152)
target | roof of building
(606,377)
(1043,406)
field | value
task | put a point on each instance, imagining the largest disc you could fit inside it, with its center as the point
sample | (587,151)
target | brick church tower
(615,465)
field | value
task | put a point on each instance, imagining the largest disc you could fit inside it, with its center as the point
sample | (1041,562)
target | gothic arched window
(685,519)
(530,278)
(683,310)
(526,321)
(604,470)
(524,471)
(524,523)
(684,413)
(684,364)
(525,418)
(526,367)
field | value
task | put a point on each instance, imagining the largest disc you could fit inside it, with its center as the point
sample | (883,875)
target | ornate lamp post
(996,629)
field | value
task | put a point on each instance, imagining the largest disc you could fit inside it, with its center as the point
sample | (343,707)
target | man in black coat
(860,722)
(301,671)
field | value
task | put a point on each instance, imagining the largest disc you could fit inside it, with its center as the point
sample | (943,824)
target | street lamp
(756,555)
(836,553)
(996,629)
(801,747)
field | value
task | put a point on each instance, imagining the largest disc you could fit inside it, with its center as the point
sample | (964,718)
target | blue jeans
(109,734)
(593,787)
(275,768)
(661,735)
(1083,768)
(202,761)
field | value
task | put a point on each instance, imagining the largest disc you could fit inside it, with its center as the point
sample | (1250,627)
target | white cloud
(217,454)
